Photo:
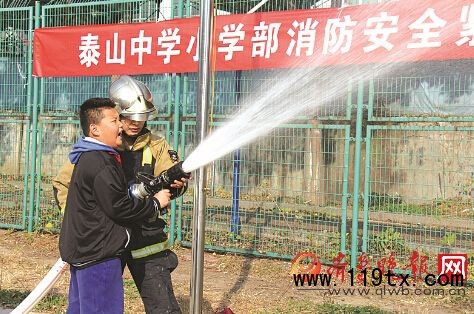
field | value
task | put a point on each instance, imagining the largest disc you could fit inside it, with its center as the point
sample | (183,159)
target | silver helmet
(132,98)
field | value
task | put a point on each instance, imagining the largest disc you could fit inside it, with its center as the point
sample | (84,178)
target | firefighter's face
(131,127)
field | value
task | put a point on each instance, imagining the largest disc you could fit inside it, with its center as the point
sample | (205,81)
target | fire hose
(42,288)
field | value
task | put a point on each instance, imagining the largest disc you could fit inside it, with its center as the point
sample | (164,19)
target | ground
(243,284)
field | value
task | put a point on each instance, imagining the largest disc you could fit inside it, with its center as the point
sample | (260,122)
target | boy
(151,260)
(93,233)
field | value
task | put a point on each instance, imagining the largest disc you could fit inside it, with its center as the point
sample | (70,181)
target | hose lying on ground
(42,288)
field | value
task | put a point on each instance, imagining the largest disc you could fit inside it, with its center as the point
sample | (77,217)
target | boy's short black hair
(90,112)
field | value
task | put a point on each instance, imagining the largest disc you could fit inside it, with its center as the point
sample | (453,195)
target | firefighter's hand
(178,184)
(163,197)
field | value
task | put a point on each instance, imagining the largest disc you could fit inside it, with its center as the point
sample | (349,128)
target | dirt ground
(244,284)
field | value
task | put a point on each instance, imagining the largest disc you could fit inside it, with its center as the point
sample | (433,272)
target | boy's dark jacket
(98,207)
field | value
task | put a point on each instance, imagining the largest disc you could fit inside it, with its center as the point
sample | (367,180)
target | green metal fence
(15,114)
(418,192)
(282,209)
(385,167)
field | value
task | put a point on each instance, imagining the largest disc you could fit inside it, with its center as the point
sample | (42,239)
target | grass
(328,308)
(11,298)
(388,240)
(437,208)
(51,303)
(57,303)
(247,285)
(294,306)
(133,302)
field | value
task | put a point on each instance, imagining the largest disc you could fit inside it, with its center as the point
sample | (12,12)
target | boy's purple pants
(96,289)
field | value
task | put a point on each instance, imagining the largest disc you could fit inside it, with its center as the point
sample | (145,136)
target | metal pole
(176,127)
(205,32)
(34,140)
(235,221)
(355,195)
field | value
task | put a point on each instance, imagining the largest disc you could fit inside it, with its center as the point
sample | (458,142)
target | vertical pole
(205,33)
(235,221)
(34,140)
(188,8)
(345,186)
(184,91)
(365,227)
(36,15)
(176,127)
(355,195)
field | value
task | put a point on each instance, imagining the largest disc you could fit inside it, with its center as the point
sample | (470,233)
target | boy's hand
(163,197)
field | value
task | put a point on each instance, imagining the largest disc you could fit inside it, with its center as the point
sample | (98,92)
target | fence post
(176,127)
(34,134)
(355,194)
(368,137)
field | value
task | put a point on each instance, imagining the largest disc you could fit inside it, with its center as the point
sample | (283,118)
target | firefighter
(150,259)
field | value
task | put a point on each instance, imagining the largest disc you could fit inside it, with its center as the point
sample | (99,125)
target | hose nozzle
(150,185)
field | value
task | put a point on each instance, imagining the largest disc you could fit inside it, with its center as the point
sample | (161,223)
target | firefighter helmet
(132,98)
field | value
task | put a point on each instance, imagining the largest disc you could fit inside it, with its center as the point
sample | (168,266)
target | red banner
(399,31)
